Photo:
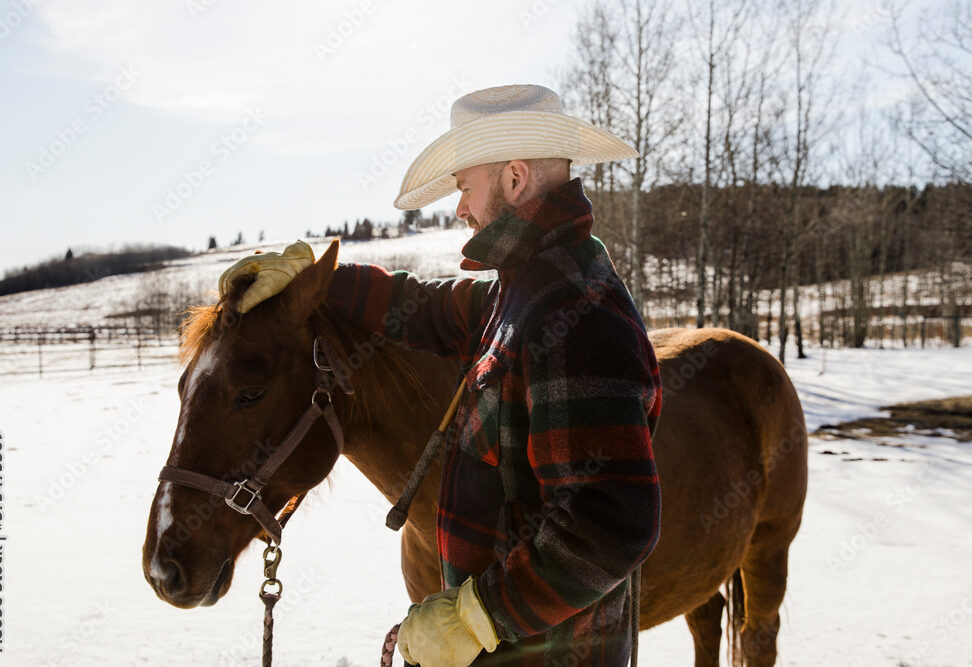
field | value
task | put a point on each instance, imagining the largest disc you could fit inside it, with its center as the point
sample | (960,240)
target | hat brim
(513,135)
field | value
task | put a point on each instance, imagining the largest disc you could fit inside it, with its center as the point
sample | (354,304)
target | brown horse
(731,451)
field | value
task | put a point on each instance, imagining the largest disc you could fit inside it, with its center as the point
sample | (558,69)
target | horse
(730,448)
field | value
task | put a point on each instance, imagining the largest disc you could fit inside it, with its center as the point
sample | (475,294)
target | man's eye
(249,396)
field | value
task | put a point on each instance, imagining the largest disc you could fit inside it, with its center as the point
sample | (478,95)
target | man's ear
(515,179)
(308,289)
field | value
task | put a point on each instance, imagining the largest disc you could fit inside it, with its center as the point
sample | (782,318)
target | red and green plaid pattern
(549,492)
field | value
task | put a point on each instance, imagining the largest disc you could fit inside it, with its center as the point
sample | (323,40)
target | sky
(173,121)
(168,122)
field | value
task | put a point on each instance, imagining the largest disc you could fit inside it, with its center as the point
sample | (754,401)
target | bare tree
(648,114)
(938,62)
(716,27)
(810,30)
(589,89)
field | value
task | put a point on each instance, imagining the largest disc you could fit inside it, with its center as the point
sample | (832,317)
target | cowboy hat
(519,122)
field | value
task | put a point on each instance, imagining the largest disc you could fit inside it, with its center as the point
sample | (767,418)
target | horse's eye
(249,396)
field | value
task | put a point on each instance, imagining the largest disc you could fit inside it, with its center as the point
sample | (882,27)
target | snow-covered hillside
(432,254)
(879,574)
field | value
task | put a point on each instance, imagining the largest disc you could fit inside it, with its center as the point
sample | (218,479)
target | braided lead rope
(399,513)
(269,599)
(271,561)
(388,648)
(635,612)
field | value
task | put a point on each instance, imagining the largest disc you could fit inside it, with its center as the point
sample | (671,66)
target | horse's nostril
(170,578)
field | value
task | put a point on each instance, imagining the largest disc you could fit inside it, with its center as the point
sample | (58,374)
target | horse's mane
(392,375)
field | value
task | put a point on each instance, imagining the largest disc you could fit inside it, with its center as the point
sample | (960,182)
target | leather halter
(244,495)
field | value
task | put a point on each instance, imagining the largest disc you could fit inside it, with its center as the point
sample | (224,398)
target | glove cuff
(474,617)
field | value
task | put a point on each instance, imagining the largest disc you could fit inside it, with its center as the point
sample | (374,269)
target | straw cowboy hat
(518,122)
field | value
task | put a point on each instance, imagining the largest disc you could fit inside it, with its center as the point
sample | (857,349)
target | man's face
(482,199)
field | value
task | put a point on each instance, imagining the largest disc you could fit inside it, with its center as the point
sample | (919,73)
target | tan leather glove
(448,629)
(273,270)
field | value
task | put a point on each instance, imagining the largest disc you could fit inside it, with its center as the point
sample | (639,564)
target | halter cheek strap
(244,495)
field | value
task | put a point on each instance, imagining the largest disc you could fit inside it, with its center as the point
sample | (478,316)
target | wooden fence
(36,350)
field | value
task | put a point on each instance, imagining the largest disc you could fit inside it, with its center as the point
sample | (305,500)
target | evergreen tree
(411,221)
(212,243)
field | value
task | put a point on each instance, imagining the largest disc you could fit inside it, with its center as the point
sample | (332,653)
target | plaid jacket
(549,493)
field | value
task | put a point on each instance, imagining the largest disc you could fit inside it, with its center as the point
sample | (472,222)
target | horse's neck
(388,422)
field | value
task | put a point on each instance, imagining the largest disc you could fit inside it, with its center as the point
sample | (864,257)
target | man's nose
(462,211)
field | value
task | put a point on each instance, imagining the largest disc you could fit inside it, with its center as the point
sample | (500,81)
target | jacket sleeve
(593,394)
(438,316)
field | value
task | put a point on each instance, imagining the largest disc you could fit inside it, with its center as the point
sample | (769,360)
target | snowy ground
(879,574)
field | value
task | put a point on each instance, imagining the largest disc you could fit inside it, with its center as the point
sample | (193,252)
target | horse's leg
(764,571)
(705,622)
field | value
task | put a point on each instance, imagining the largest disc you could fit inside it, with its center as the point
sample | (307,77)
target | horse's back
(739,376)
(731,454)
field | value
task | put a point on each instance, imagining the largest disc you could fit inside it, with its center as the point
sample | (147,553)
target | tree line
(769,178)
(87,267)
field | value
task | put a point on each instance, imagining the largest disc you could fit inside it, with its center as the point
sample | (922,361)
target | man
(549,495)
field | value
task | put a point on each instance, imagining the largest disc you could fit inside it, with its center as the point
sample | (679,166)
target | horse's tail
(736,613)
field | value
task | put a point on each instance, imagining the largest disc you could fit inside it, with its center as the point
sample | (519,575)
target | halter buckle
(240,486)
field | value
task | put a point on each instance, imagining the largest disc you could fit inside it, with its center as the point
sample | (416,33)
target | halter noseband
(244,495)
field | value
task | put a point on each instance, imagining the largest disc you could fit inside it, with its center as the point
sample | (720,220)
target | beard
(496,205)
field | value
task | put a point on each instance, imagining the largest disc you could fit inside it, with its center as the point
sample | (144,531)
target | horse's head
(247,381)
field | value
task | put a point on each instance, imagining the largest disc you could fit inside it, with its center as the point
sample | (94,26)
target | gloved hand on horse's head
(272,272)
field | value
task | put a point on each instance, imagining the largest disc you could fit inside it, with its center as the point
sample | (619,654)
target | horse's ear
(308,289)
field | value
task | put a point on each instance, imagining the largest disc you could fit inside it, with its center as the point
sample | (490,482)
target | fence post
(91,348)
(40,356)
(138,344)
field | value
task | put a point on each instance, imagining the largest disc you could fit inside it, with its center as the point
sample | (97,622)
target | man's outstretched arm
(439,316)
